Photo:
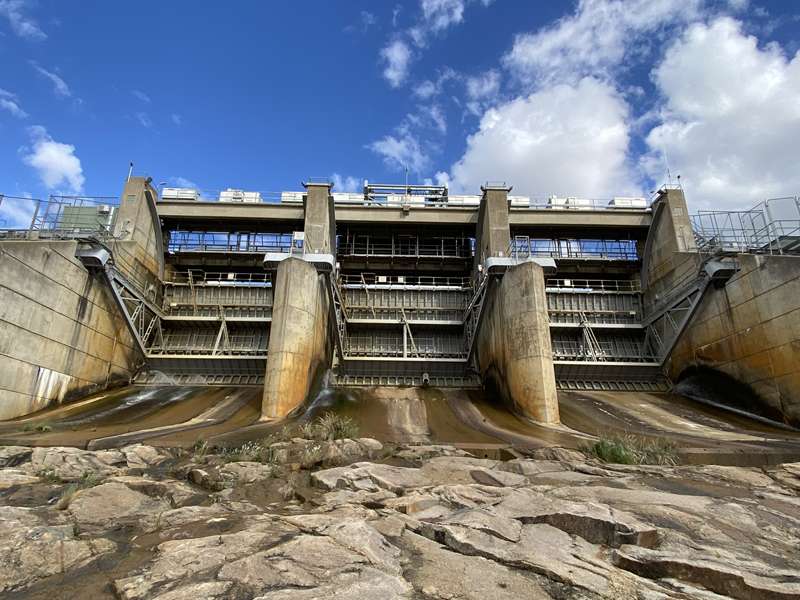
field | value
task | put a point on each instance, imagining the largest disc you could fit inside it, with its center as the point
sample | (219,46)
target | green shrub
(330,427)
(633,450)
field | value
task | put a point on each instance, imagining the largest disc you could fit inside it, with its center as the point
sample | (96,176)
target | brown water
(173,415)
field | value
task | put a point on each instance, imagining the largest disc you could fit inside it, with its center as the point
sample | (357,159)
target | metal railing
(771,227)
(58,217)
(230,242)
(406,248)
(404,281)
(523,246)
(593,285)
(218,279)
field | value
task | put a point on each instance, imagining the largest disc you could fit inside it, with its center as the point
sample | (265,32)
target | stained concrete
(493,234)
(750,330)
(513,344)
(299,343)
(61,335)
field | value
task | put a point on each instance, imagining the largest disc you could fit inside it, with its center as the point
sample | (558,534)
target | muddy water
(174,415)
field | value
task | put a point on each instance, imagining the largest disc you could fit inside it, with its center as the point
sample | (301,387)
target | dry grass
(631,449)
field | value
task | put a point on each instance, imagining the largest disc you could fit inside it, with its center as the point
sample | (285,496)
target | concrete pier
(299,344)
(514,343)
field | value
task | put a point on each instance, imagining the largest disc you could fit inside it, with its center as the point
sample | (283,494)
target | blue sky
(592,98)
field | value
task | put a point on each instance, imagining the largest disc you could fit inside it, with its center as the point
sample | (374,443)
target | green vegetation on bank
(633,450)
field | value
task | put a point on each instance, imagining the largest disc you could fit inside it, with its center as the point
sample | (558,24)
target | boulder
(370,477)
(32,549)
(11,456)
(13,477)
(178,560)
(246,472)
(73,464)
(111,505)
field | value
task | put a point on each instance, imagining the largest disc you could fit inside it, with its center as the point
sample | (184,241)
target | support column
(493,235)
(513,346)
(299,345)
(320,220)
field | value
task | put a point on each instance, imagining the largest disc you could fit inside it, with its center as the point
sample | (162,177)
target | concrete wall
(670,250)
(513,345)
(320,223)
(139,249)
(299,343)
(492,234)
(61,335)
(750,330)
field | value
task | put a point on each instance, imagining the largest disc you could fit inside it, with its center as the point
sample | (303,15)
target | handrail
(403,281)
(594,285)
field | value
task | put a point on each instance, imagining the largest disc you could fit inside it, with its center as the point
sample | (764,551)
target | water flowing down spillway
(472,419)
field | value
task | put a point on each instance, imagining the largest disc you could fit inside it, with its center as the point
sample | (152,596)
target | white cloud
(183,183)
(60,86)
(144,119)
(23,25)
(435,117)
(55,162)
(397,56)
(346,184)
(402,151)
(141,96)
(10,103)
(177,119)
(16,213)
(441,14)
(565,139)
(428,88)
(425,90)
(730,119)
(482,90)
(593,40)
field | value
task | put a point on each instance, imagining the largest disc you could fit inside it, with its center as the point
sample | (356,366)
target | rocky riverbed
(302,519)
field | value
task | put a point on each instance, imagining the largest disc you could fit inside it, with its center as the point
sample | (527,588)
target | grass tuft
(633,450)
(330,427)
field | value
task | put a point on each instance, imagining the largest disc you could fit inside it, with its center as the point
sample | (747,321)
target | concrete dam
(545,320)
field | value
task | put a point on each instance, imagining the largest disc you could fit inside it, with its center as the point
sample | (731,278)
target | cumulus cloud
(21,24)
(565,139)
(176,118)
(60,86)
(396,56)
(346,184)
(402,151)
(594,39)
(10,103)
(55,162)
(730,119)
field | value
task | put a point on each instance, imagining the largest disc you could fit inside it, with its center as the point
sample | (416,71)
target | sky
(595,98)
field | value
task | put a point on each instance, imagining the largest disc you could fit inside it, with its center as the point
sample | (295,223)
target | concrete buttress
(513,346)
(299,344)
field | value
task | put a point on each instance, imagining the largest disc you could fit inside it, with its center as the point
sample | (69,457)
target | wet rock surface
(352,519)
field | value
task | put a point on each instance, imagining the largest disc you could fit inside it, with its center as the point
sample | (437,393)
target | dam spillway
(395,286)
